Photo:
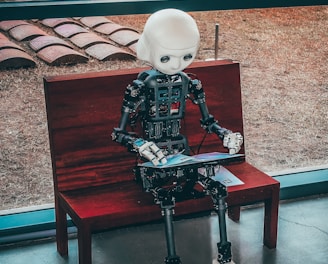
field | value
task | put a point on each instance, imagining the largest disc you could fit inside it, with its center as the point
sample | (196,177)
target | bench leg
(234,213)
(271,220)
(84,244)
(61,229)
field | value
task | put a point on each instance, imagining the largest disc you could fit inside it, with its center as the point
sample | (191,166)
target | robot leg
(167,203)
(218,193)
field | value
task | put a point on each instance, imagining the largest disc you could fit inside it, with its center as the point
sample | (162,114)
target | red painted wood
(82,110)
(93,176)
(234,213)
(88,202)
(61,223)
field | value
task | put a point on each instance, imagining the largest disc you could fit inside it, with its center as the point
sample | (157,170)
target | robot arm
(131,103)
(232,141)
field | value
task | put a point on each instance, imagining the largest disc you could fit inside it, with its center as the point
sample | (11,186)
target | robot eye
(165,59)
(187,57)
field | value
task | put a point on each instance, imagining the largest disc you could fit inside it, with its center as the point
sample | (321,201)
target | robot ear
(143,49)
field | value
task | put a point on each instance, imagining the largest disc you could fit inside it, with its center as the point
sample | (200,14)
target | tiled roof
(12,54)
(58,41)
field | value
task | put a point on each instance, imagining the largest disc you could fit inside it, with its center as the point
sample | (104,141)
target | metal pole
(216,45)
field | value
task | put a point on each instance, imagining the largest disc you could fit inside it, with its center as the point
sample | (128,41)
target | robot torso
(163,107)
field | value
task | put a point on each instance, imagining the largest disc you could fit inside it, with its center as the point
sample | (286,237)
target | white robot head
(170,41)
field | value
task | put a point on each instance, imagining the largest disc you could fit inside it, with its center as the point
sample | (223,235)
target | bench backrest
(82,110)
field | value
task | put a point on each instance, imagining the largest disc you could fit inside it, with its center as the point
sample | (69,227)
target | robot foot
(215,261)
(173,260)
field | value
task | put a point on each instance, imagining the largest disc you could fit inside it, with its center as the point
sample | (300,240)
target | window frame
(72,8)
(40,222)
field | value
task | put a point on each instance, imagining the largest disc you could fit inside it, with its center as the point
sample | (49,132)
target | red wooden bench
(93,179)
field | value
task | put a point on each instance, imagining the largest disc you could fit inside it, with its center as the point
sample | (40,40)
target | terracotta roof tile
(133,47)
(59,55)
(125,37)
(6,44)
(46,41)
(107,52)
(82,32)
(84,40)
(26,32)
(69,30)
(15,58)
(110,28)
(2,36)
(7,25)
(55,22)
(94,21)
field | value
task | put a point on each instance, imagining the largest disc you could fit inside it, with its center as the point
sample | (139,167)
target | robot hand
(233,142)
(150,151)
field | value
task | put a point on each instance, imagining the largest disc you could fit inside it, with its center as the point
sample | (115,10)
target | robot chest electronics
(165,98)
(165,102)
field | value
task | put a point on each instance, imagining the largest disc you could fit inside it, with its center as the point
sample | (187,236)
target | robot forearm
(207,122)
(232,141)
(212,126)
(147,149)
(124,138)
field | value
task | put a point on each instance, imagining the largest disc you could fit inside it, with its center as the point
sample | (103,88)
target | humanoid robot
(157,98)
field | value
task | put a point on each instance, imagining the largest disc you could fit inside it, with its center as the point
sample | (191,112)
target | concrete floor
(302,239)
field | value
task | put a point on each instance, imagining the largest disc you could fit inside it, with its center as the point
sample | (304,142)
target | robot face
(170,61)
(170,41)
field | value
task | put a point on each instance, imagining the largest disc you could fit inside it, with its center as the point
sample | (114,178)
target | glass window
(284,84)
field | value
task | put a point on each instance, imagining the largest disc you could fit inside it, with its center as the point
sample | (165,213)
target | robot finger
(239,138)
(226,140)
(145,145)
(233,150)
(158,152)
(163,160)
(149,156)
